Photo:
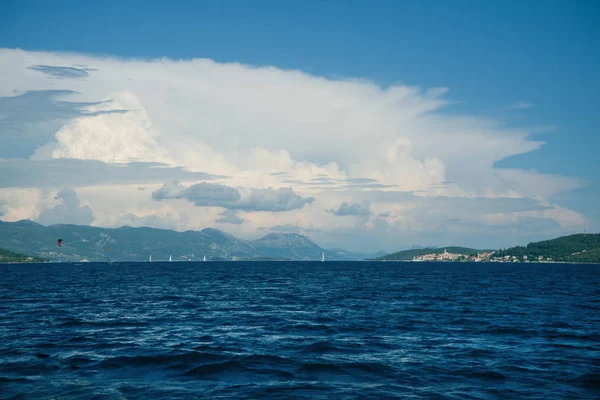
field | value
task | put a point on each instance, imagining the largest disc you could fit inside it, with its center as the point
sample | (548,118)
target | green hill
(7,256)
(587,256)
(407,255)
(582,247)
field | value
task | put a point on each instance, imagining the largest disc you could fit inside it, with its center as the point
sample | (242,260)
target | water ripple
(299,331)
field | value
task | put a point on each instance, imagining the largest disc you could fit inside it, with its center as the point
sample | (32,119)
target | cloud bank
(272,147)
(215,195)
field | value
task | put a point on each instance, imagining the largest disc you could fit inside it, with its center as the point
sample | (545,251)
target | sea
(299,330)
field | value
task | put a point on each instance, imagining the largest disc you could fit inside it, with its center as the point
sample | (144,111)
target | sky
(365,125)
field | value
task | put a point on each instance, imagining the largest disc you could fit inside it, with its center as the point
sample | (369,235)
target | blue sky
(492,56)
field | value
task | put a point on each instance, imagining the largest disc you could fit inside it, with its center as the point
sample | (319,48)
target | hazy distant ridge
(137,244)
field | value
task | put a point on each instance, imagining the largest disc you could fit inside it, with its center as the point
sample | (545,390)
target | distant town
(480,256)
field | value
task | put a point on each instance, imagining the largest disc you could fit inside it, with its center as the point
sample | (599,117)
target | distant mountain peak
(27,222)
(218,233)
(287,238)
(209,230)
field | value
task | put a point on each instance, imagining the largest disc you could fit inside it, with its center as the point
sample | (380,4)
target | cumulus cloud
(69,211)
(201,194)
(215,195)
(346,209)
(269,199)
(154,221)
(30,119)
(230,217)
(351,128)
(107,135)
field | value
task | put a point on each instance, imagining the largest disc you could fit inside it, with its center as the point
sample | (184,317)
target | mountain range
(138,244)
(90,243)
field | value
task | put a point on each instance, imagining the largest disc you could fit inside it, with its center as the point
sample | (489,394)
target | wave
(483,375)
(351,368)
(253,365)
(474,353)
(507,330)
(304,327)
(5,379)
(320,347)
(589,380)
(114,323)
(162,360)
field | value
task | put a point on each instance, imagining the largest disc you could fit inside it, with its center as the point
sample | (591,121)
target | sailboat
(150,257)
(323,257)
(170,259)
(204,258)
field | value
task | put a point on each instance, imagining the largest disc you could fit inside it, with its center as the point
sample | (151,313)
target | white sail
(322,257)
(204,258)
(150,257)
(170,259)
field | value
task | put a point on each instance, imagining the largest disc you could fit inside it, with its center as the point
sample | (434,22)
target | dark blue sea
(275,330)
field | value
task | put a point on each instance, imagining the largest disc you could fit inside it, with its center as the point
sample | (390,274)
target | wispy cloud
(521,105)
(58,172)
(61,72)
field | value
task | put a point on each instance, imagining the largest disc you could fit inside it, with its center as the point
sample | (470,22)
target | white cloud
(278,139)
(108,136)
(167,221)
(522,105)
(23,203)
(69,211)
